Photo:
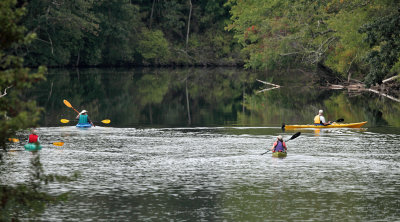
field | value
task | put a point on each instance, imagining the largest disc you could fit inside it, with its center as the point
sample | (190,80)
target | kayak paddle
(58,143)
(105,121)
(291,138)
(64,121)
(69,105)
(55,143)
(294,136)
(339,120)
(14,140)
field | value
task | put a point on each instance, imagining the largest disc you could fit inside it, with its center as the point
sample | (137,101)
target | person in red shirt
(33,138)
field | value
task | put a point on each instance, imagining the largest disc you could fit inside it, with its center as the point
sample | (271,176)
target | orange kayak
(333,125)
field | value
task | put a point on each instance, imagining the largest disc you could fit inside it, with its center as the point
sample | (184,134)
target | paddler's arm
(273,146)
(90,121)
(77,117)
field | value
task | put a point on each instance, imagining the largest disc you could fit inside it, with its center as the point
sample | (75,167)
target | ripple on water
(218,173)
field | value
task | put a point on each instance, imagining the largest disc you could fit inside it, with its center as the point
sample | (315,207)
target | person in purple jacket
(279,145)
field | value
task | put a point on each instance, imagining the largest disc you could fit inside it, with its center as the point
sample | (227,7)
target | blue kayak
(83,125)
(33,146)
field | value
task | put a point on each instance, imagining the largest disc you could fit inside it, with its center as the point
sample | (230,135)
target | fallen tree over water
(388,88)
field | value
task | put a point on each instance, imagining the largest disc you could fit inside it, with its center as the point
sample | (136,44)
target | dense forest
(354,39)
(121,32)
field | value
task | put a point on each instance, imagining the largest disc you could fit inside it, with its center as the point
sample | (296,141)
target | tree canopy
(352,38)
(349,37)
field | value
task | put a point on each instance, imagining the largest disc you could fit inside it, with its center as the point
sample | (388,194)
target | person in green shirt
(83,118)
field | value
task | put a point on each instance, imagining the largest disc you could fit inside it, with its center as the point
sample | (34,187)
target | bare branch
(188,27)
(268,83)
(5,91)
(290,53)
(43,41)
(314,35)
(390,79)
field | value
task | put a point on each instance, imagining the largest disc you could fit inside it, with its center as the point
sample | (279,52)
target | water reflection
(202,97)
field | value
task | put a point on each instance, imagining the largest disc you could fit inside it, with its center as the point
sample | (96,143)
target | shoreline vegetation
(351,39)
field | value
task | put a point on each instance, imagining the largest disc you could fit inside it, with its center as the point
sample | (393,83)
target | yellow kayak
(279,154)
(333,125)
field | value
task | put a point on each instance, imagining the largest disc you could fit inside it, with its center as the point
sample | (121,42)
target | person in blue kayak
(83,118)
(279,145)
(320,119)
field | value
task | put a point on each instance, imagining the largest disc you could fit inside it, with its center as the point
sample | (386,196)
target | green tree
(383,36)
(16,112)
(66,33)
(280,33)
(153,47)
(346,56)
(120,26)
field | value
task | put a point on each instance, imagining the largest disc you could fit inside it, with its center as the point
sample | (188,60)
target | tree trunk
(188,27)
(77,59)
(151,14)
(243,98)
(150,114)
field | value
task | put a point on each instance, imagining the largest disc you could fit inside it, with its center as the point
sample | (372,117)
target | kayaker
(279,145)
(320,119)
(83,118)
(33,137)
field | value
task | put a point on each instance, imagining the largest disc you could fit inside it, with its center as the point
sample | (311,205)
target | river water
(206,166)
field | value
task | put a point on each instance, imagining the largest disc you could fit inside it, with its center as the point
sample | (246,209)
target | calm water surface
(217,173)
(185,145)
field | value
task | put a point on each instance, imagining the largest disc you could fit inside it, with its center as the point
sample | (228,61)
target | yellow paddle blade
(106,121)
(58,143)
(64,120)
(67,103)
(14,140)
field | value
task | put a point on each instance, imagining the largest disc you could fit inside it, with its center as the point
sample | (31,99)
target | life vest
(279,147)
(83,119)
(317,120)
(33,138)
